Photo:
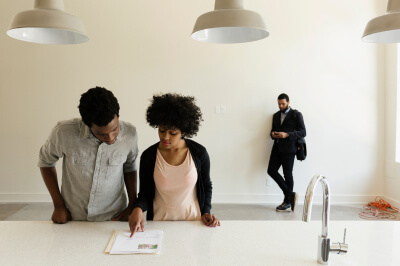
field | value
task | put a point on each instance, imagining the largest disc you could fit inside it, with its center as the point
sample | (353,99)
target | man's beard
(284,111)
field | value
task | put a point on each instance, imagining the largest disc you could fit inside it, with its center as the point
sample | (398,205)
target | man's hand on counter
(124,215)
(61,215)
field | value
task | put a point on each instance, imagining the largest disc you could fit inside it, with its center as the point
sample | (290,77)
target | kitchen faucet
(324,245)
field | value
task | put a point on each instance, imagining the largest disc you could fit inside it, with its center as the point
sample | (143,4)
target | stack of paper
(148,242)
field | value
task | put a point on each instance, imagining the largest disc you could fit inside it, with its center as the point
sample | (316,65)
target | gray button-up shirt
(93,184)
(283,115)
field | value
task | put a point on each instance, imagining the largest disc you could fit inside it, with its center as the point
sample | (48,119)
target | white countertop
(191,243)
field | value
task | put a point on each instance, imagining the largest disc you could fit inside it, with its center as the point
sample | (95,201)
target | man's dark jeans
(286,160)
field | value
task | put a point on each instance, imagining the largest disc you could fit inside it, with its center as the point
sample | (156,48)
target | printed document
(142,242)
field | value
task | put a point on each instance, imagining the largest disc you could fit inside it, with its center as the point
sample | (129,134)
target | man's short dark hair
(283,96)
(98,106)
(175,111)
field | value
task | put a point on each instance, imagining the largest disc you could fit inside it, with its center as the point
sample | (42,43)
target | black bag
(301,152)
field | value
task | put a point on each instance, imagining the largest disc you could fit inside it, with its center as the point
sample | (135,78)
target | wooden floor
(43,211)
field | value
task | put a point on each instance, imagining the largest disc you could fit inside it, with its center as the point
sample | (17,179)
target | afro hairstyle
(175,111)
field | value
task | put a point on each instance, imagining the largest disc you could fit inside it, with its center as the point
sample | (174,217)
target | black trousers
(286,160)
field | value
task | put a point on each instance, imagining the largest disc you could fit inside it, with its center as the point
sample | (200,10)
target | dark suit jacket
(293,126)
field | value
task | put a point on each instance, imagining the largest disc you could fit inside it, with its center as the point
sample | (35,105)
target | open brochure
(148,242)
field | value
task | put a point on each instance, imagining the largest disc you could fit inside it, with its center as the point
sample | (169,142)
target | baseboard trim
(227,198)
(21,197)
(277,198)
(392,202)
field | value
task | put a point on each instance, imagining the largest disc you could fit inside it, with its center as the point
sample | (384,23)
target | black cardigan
(147,185)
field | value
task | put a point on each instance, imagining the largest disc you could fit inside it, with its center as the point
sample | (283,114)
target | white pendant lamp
(386,28)
(47,23)
(229,23)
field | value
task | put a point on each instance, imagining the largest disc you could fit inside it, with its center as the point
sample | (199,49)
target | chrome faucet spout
(324,242)
(308,200)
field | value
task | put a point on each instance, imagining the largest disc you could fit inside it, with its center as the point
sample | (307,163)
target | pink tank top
(175,196)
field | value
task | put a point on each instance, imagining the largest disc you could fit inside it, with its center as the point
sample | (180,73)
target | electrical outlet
(223,109)
(268,181)
(218,109)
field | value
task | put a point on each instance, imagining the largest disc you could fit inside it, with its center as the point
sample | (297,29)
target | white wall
(138,48)
(392,168)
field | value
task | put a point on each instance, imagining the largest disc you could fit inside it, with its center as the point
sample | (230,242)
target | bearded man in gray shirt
(99,160)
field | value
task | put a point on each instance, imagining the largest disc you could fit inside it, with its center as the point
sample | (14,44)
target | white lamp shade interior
(386,28)
(47,26)
(230,35)
(230,26)
(391,36)
(47,36)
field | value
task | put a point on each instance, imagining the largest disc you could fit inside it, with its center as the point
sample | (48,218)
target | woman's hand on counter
(210,220)
(136,220)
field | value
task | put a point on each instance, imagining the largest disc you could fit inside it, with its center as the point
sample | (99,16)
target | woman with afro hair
(174,173)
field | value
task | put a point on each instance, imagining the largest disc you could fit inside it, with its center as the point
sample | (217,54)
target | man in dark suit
(287,127)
